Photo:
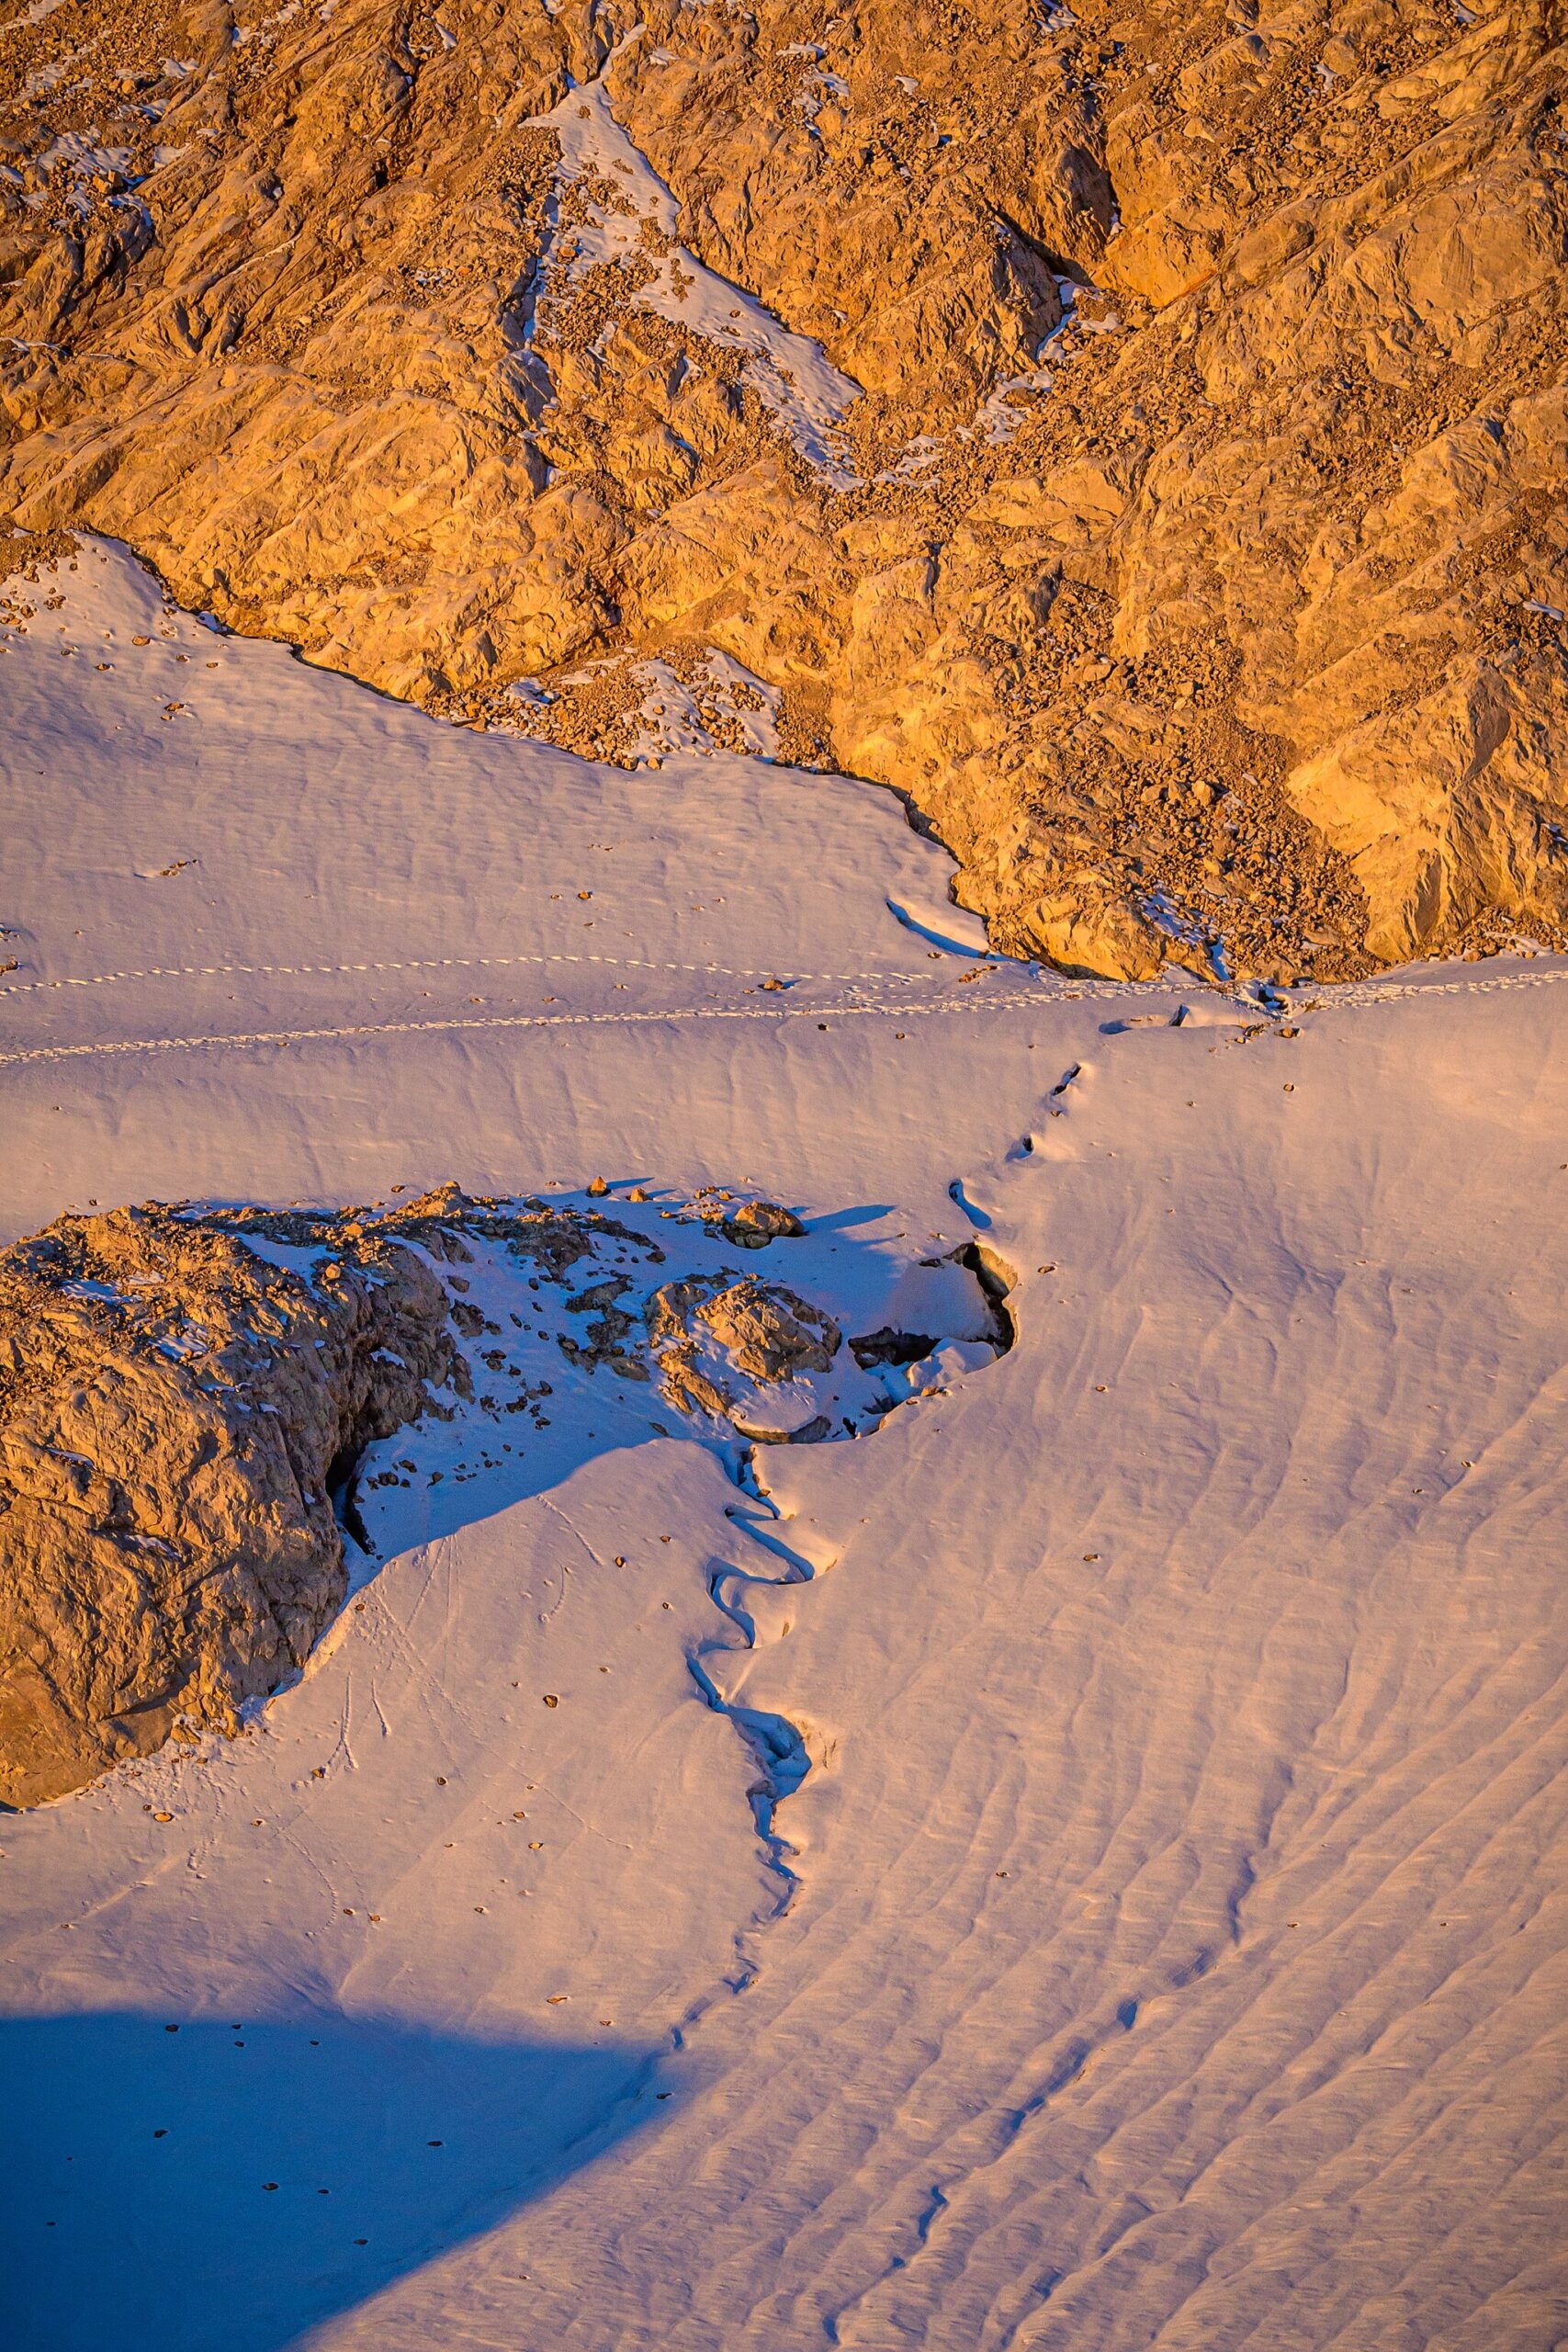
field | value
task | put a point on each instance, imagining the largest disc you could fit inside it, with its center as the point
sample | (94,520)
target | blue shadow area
(225,2185)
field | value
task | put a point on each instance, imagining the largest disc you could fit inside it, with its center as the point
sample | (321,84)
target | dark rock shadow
(845,1220)
(166,2187)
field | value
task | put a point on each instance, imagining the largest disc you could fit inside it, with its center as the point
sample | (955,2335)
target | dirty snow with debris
(710,702)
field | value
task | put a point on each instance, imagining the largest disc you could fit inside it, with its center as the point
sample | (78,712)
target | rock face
(175,1412)
(1150,458)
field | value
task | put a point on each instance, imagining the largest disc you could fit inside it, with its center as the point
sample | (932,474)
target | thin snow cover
(34,15)
(1000,415)
(681,713)
(81,156)
(790,374)
(677,715)
(916,458)
(1207,953)
(1080,1864)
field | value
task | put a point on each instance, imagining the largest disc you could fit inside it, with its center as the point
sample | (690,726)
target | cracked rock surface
(722,1347)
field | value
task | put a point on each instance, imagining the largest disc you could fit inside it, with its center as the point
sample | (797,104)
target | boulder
(742,1351)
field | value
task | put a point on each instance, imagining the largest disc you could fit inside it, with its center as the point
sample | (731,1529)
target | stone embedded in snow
(756,1222)
(769,1333)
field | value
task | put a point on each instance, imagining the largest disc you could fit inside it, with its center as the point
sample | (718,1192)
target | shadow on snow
(227,2185)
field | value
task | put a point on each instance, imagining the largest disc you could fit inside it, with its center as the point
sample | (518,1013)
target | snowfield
(1079,1865)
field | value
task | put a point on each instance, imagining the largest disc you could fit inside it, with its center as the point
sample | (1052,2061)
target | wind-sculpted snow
(1154,1936)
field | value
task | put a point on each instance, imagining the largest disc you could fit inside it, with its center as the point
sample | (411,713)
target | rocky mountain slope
(1140,438)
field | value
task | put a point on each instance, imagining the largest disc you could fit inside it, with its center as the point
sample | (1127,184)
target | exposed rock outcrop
(743,1351)
(183,1397)
(175,1412)
(1193,558)
(187,1397)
